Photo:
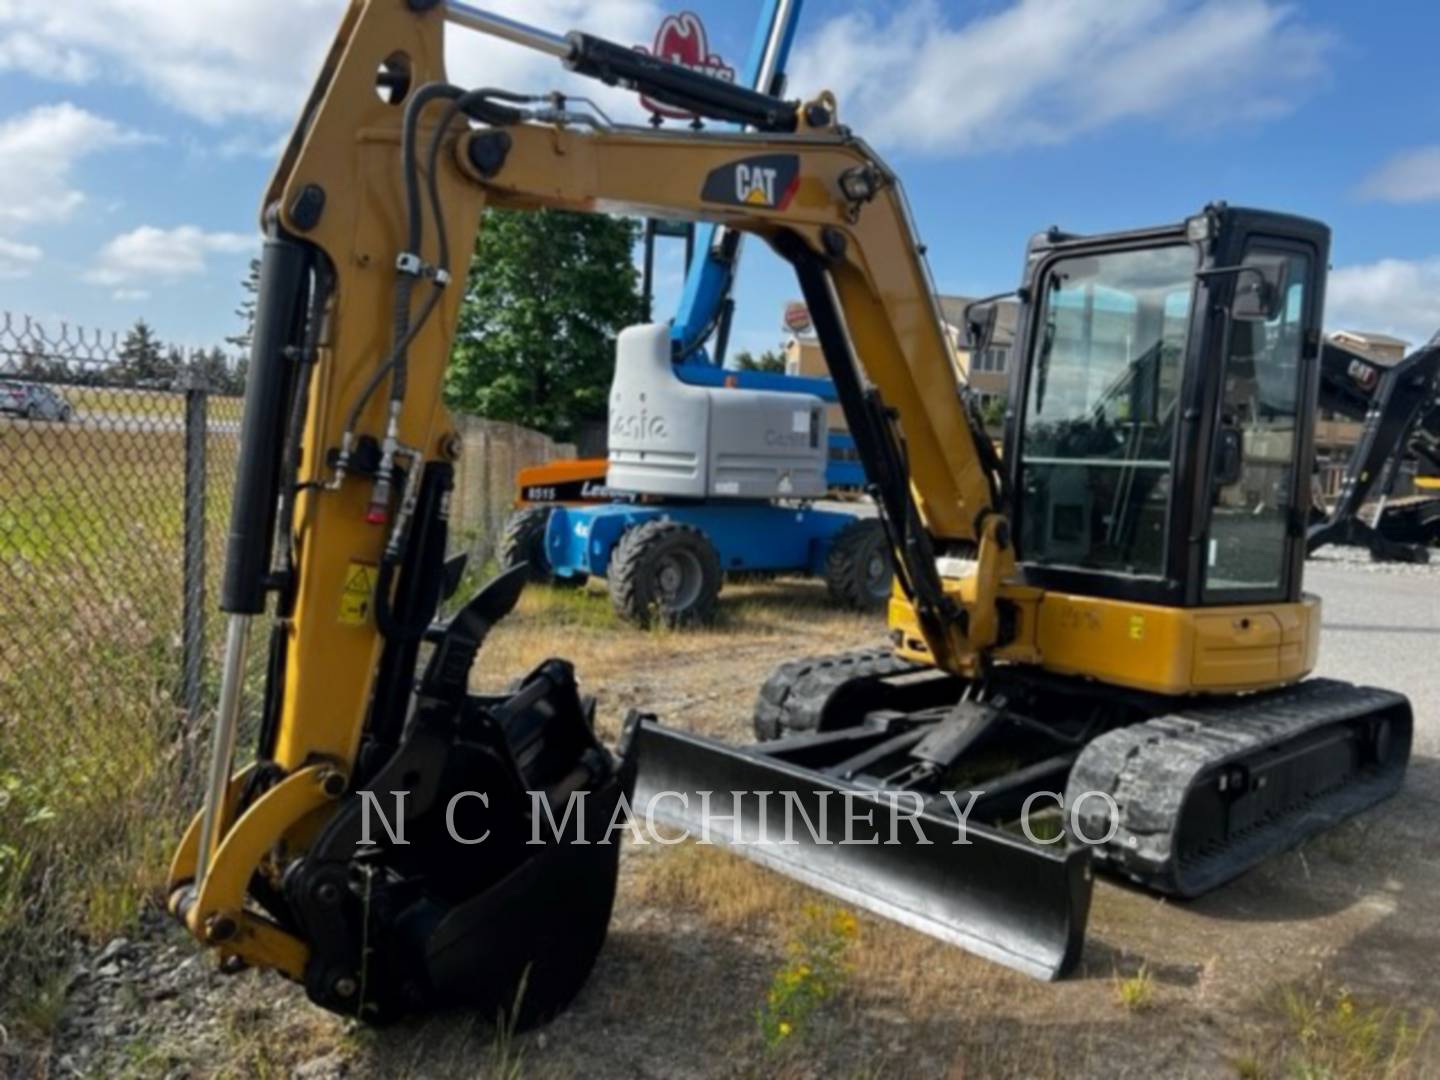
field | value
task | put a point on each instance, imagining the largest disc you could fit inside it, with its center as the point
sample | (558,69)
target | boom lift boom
(1080,645)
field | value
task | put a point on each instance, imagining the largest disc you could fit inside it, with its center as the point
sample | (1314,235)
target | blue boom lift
(716,473)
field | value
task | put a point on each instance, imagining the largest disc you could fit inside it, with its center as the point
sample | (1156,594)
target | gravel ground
(676,990)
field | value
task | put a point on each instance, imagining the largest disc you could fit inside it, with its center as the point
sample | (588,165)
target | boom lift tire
(795,697)
(858,571)
(665,572)
(523,541)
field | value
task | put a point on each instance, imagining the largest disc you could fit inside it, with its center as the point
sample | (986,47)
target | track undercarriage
(1044,778)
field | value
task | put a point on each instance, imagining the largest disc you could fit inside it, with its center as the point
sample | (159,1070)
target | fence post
(193,647)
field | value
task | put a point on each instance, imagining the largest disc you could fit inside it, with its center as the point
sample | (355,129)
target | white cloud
(23,51)
(1394,296)
(149,254)
(17,260)
(40,149)
(251,145)
(130,295)
(224,60)
(1409,177)
(1044,71)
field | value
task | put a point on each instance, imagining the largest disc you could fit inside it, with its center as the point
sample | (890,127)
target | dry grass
(1319,1031)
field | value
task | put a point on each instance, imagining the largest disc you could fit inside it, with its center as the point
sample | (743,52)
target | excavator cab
(1158,441)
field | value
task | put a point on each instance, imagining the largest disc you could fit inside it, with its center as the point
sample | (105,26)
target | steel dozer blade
(994,894)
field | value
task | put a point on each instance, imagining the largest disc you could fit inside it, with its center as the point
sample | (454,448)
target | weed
(1136,993)
(507,1058)
(1325,1033)
(813,973)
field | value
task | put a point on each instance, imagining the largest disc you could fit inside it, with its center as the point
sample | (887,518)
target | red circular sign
(797,318)
(682,40)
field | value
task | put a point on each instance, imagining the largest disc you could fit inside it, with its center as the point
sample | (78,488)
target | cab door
(1261,451)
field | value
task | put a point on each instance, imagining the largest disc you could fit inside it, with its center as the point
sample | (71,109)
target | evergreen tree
(769,360)
(141,360)
(246,310)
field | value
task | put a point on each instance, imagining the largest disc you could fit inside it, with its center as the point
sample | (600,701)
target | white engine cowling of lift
(672,439)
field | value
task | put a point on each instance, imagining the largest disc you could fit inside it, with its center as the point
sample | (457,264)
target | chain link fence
(114,490)
(117,460)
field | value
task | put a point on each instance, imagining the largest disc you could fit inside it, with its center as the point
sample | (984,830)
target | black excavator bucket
(984,889)
(468,896)
(482,888)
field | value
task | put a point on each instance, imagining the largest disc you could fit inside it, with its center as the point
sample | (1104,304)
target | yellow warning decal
(1137,627)
(359,594)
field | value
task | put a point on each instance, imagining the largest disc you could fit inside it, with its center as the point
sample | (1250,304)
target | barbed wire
(24,338)
(71,353)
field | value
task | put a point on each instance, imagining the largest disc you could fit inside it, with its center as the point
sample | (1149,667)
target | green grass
(95,778)
(1136,993)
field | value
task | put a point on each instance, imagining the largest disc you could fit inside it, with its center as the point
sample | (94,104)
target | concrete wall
(485,478)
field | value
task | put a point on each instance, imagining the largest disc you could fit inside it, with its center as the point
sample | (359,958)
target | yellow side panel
(1236,650)
(1144,647)
(1126,644)
(1179,650)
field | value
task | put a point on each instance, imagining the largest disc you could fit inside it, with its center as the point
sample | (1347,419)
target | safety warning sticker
(358,595)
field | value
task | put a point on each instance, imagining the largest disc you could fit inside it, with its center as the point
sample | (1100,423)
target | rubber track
(1151,768)
(794,696)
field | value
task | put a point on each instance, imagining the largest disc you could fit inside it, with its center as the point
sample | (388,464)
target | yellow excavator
(1112,619)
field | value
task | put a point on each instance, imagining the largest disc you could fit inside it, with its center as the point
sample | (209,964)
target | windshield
(1099,424)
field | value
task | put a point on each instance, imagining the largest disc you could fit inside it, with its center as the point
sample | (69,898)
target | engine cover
(671,439)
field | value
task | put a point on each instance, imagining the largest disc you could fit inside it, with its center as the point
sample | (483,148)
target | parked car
(34,402)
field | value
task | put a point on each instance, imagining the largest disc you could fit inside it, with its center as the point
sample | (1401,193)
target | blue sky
(136,135)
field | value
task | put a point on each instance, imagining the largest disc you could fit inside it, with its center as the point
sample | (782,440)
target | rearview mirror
(1260,288)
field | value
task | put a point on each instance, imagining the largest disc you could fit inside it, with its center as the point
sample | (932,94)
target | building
(988,375)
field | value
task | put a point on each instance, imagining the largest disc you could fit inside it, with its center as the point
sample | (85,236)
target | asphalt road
(140,423)
(1382,628)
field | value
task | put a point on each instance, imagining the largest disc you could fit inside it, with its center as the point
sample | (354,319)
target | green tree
(171,365)
(993,413)
(548,294)
(246,310)
(769,360)
(213,369)
(239,375)
(142,360)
